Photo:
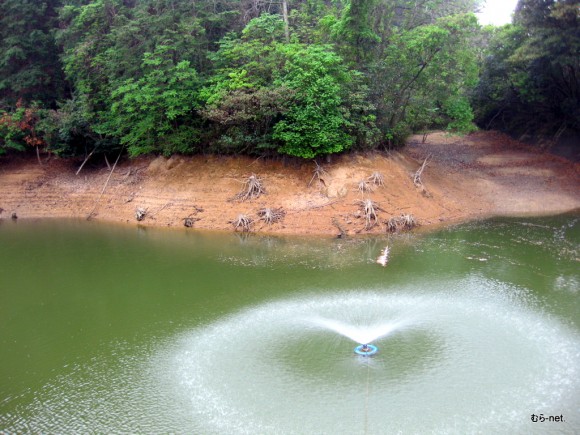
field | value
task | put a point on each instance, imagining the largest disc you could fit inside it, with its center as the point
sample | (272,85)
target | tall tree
(425,75)
(314,104)
(530,82)
(30,69)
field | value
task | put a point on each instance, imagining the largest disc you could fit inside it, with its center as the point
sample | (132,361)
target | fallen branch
(417,177)
(105,186)
(167,204)
(86,160)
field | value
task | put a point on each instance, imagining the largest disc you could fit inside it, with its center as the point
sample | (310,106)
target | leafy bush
(151,114)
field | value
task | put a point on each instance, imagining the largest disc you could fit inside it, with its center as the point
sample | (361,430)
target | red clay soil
(480,175)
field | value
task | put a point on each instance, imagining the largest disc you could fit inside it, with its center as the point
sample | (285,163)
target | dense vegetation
(530,79)
(303,78)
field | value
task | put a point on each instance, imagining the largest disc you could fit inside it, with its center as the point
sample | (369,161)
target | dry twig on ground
(271,215)
(253,188)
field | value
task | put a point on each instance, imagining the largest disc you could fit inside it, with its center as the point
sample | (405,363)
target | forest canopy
(303,78)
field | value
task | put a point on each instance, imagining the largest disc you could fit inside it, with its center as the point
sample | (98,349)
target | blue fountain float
(366,350)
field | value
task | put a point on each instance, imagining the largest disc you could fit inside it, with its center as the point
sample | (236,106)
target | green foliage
(29,66)
(428,71)
(295,99)
(354,30)
(530,81)
(105,44)
(315,124)
(246,116)
(11,134)
(459,113)
(150,114)
(165,76)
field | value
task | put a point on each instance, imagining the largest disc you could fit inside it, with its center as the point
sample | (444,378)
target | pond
(109,329)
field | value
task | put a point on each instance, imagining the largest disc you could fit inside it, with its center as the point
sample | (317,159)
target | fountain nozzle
(366,349)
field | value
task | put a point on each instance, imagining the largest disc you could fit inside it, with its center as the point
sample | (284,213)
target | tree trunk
(285,17)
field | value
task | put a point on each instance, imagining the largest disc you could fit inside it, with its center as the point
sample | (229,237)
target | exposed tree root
(317,174)
(369,210)
(140,213)
(271,215)
(364,187)
(377,179)
(342,231)
(404,222)
(189,221)
(253,188)
(243,222)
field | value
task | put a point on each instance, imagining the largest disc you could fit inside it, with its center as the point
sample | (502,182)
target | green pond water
(109,329)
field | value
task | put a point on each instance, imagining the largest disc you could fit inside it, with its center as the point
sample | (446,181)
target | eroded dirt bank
(479,175)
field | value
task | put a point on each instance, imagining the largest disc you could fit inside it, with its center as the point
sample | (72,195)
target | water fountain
(434,352)
(366,349)
(291,358)
(360,334)
(484,354)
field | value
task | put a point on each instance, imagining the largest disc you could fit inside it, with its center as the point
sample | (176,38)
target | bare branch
(417,176)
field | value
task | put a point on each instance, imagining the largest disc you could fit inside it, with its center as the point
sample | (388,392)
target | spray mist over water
(474,348)
(359,334)
(484,352)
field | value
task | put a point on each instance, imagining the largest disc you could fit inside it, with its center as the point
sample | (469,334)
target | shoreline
(480,176)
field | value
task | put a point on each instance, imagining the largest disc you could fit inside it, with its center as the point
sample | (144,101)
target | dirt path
(479,175)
